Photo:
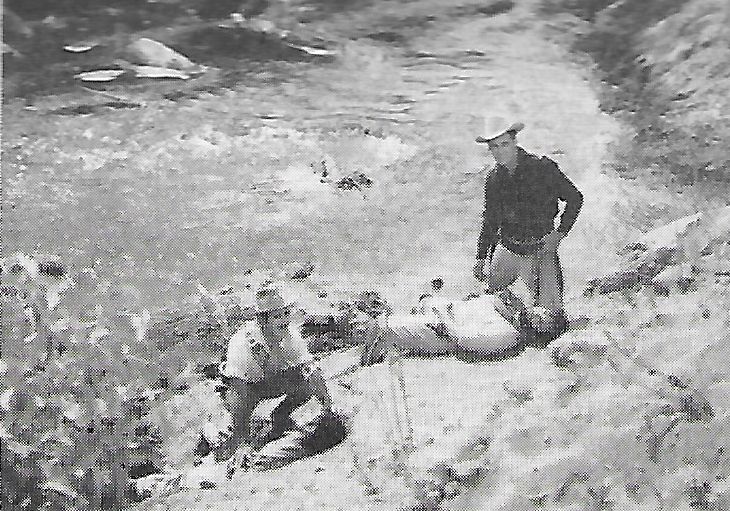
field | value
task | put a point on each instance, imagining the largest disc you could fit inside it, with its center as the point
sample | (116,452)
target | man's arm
(491,218)
(566,191)
(491,221)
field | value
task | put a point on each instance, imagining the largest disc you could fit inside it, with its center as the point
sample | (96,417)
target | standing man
(518,237)
(266,359)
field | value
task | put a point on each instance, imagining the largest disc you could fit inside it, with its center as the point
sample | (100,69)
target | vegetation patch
(664,64)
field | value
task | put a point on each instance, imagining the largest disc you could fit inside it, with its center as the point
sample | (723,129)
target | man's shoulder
(248,330)
(493,175)
(548,162)
(241,340)
(542,168)
(239,358)
(297,347)
(540,160)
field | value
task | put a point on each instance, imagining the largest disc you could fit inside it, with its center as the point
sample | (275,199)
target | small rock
(521,394)
(79,48)
(613,283)
(100,75)
(467,472)
(633,247)
(687,284)
(301,271)
(674,277)
(154,53)
(357,180)
(159,72)
(451,489)
(207,485)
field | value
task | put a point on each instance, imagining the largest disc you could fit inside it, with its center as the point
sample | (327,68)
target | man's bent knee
(496,287)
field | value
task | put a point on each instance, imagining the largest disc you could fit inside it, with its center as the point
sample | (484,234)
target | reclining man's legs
(409,334)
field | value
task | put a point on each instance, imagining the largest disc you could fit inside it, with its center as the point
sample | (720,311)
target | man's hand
(479,270)
(551,240)
(241,459)
(261,427)
(444,319)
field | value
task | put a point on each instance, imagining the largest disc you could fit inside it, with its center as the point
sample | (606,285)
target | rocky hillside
(665,65)
(629,410)
(347,170)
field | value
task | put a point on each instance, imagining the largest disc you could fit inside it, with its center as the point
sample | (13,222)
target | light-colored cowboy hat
(496,126)
(269,298)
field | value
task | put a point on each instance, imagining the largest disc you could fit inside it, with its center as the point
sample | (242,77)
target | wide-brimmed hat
(496,126)
(269,299)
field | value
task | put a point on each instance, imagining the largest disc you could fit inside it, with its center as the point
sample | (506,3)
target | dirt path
(421,217)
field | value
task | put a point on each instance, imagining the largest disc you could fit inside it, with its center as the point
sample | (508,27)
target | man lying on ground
(267,359)
(483,327)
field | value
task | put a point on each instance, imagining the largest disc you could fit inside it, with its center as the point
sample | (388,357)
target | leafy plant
(79,374)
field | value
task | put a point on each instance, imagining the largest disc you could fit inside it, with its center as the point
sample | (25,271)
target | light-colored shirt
(479,326)
(253,365)
(473,325)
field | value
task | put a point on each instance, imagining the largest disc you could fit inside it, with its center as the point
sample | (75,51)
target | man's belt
(524,242)
(522,246)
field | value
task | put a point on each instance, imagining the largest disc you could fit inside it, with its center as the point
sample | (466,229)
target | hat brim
(515,128)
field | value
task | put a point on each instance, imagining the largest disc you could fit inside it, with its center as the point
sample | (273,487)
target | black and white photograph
(399,255)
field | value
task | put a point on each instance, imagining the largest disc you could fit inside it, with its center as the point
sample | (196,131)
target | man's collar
(268,342)
(521,156)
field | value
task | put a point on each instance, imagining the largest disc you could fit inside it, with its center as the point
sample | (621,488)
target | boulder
(675,278)
(300,270)
(718,229)
(686,238)
(711,227)
(667,235)
(153,53)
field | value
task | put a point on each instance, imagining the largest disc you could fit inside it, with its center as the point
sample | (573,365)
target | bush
(78,374)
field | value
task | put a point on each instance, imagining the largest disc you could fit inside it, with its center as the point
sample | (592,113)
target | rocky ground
(630,411)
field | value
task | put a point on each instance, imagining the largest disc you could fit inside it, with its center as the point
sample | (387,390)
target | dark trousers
(243,397)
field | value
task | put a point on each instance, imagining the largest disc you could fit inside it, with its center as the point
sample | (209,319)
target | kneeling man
(267,359)
(518,237)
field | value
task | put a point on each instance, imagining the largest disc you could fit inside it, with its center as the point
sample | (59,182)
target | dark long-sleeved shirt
(519,209)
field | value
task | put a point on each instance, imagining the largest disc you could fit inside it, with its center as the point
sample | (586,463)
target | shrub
(77,376)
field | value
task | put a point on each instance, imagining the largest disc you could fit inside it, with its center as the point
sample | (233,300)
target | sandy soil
(207,188)
(530,78)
